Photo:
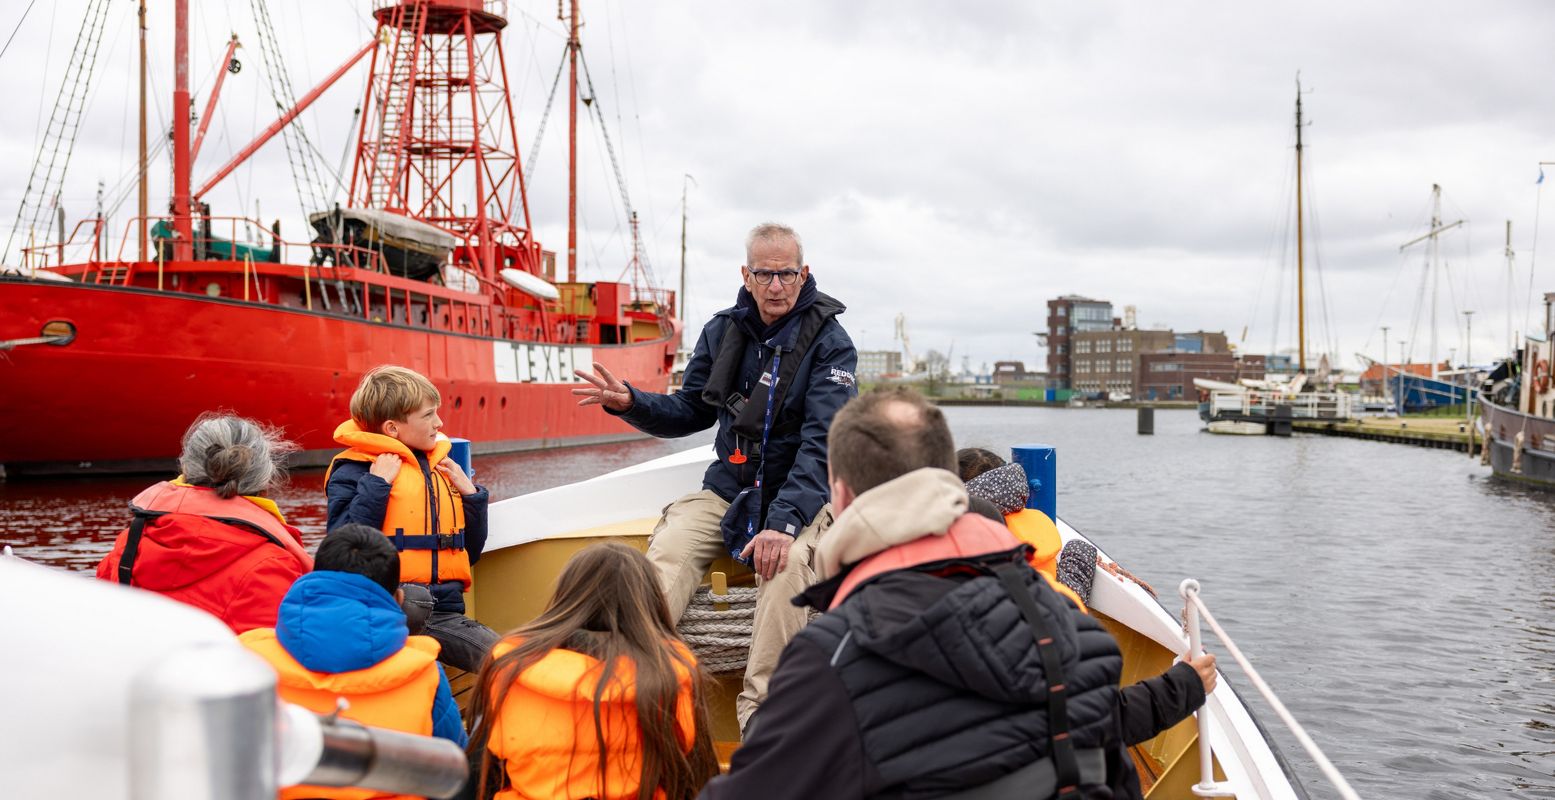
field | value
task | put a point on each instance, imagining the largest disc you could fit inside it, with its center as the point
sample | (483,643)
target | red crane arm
(210,104)
(285,119)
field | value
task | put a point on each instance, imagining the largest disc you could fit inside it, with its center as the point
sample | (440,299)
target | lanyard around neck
(766,430)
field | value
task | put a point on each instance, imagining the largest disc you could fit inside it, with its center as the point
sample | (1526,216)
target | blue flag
(1541,174)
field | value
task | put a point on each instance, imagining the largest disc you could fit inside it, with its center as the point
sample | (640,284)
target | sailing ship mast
(1301,285)
(1431,264)
(572,147)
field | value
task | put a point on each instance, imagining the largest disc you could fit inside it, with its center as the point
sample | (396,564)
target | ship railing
(209,246)
(1193,609)
(1306,405)
(53,254)
(495,7)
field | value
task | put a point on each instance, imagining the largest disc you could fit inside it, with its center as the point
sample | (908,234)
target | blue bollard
(1040,461)
(460,453)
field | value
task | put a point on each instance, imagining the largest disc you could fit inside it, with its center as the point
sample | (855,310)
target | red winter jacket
(232,558)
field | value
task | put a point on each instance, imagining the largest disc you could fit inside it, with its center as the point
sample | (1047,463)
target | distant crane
(910,364)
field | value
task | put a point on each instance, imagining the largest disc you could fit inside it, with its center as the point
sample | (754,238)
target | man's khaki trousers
(685,543)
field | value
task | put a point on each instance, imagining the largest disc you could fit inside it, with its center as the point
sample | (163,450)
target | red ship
(106,357)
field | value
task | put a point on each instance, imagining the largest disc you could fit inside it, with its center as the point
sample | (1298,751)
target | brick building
(1067,316)
(1108,361)
(1169,376)
(1013,373)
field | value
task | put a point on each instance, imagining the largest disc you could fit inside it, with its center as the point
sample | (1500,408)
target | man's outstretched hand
(604,390)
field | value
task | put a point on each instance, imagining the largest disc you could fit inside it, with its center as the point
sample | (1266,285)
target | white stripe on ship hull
(521,362)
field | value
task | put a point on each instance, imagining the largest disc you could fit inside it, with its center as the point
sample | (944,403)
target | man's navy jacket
(795,487)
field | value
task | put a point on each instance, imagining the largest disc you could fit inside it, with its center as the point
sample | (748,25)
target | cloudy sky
(958,163)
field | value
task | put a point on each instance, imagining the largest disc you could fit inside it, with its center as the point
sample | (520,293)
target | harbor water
(1400,600)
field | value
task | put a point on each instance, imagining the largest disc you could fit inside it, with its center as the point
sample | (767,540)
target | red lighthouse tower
(438,143)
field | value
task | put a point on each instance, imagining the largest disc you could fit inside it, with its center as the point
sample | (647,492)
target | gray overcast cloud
(957,163)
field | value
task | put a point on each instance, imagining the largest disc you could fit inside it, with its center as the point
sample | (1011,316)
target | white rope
(1323,763)
(720,638)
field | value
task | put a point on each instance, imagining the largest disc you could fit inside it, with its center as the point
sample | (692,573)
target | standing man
(770,372)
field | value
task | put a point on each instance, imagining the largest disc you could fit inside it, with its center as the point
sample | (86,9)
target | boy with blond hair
(396,476)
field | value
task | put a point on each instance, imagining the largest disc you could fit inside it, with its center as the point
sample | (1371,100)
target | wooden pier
(1446,433)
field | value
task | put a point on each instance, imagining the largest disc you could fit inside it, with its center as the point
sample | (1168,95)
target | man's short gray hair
(772,231)
(233,455)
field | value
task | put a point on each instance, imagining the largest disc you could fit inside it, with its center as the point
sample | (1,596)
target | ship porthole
(59,332)
(502,403)
(482,404)
(458,403)
(213,289)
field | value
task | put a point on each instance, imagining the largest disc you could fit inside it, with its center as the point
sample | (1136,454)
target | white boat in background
(533,535)
(1266,407)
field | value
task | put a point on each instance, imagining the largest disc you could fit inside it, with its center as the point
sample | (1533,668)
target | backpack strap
(132,542)
(138,528)
(1063,750)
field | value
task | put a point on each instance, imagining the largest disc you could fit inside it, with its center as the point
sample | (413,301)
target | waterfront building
(876,364)
(1067,316)
(1169,375)
(1108,361)
(1371,379)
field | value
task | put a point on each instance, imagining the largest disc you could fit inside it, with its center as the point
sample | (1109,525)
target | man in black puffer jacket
(944,665)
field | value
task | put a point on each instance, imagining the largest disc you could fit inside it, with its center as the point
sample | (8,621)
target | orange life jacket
(970,535)
(397,692)
(429,533)
(545,733)
(1034,528)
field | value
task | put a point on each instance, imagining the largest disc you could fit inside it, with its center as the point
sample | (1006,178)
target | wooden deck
(1445,433)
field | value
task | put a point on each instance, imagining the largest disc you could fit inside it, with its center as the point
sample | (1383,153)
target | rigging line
(635,247)
(1282,273)
(18,27)
(539,24)
(1533,253)
(534,67)
(64,124)
(534,146)
(43,82)
(1322,283)
(299,149)
(642,155)
(1268,260)
(604,132)
(1330,334)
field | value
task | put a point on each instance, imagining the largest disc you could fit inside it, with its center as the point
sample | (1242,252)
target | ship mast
(144,205)
(572,148)
(183,226)
(1301,284)
(1510,342)
(1431,266)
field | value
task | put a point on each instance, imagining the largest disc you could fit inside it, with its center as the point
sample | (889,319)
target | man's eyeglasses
(787,277)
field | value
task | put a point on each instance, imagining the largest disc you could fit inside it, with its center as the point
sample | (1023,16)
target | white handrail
(1194,606)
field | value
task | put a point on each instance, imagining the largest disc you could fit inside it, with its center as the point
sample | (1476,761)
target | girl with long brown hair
(598,697)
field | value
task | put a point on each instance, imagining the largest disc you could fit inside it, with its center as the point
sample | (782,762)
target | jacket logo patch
(841,376)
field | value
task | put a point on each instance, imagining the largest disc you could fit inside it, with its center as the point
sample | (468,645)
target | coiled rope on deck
(721,639)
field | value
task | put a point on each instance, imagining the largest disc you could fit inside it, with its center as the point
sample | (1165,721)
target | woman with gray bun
(210,537)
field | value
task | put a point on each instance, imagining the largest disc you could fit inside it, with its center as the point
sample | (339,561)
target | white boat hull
(1233,427)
